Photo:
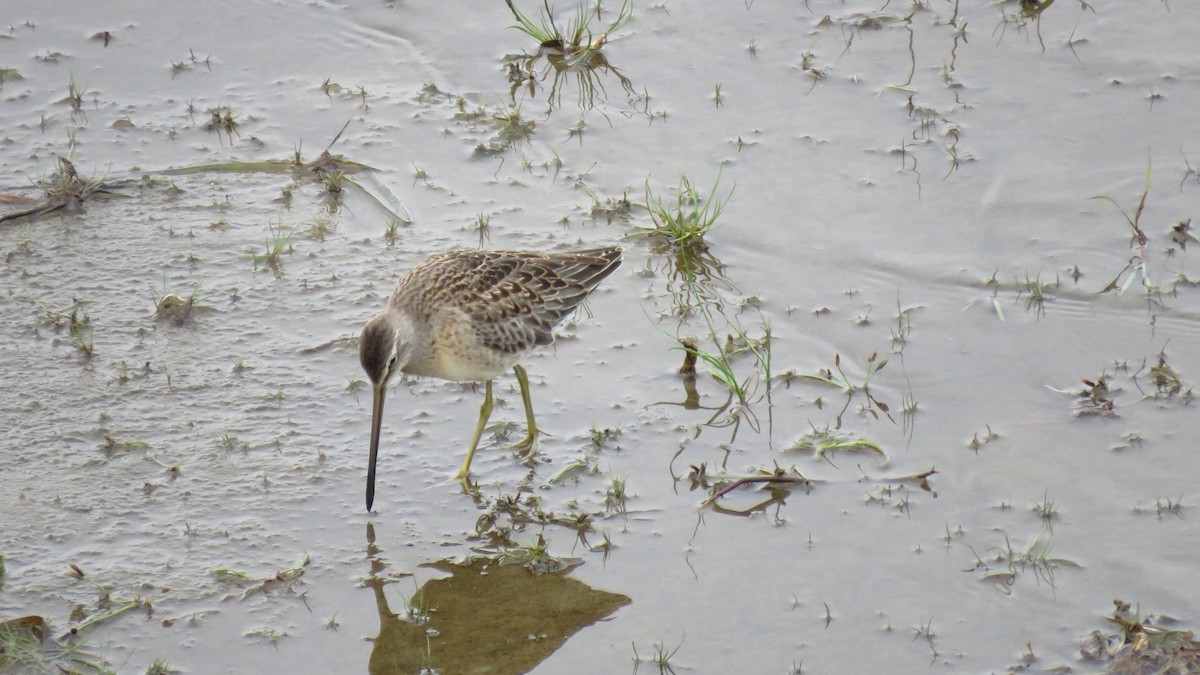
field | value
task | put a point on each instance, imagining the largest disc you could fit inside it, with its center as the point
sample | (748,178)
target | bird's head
(383,351)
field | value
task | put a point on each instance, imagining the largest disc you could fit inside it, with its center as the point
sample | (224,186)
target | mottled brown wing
(515,299)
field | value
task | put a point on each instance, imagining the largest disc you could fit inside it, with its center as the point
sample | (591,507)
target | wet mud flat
(900,356)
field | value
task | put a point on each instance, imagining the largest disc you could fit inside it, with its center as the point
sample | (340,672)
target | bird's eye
(392,363)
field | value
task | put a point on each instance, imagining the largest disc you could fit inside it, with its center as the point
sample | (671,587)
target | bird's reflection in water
(483,617)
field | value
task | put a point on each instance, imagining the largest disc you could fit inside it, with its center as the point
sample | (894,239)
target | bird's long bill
(376,421)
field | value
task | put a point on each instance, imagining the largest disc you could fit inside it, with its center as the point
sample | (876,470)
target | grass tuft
(685,220)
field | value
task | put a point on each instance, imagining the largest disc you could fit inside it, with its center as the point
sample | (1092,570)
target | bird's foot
(528,446)
(464,481)
(460,477)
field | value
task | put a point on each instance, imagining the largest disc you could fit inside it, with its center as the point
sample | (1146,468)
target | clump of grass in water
(82,334)
(822,442)
(24,647)
(66,189)
(10,75)
(77,323)
(278,242)
(688,218)
(677,229)
(680,226)
(320,229)
(74,98)
(609,207)
(535,557)
(599,437)
(568,50)
(512,129)
(1035,556)
(483,227)
(1096,398)
(390,231)
(661,656)
(1168,385)
(1046,510)
(615,495)
(1036,294)
(222,120)
(420,174)
(334,181)
(1138,266)
(1143,644)
(575,40)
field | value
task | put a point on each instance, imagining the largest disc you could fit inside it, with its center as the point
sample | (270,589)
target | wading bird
(468,316)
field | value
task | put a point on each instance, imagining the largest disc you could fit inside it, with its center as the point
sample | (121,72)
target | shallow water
(919,171)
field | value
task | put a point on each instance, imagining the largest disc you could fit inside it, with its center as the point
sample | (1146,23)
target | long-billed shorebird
(468,316)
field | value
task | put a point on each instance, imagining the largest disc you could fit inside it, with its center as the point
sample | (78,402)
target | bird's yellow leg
(485,412)
(529,444)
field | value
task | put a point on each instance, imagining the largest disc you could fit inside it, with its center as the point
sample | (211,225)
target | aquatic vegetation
(1010,562)
(320,229)
(63,190)
(390,231)
(1046,510)
(600,437)
(873,406)
(685,220)
(774,478)
(608,207)
(699,290)
(660,656)
(779,481)
(334,181)
(1096,398)
(1163,506)
(75,97)
(993,284)
(1144,643)
(822,442)
(82,334)
(1168,385)
(282,581)
(1155,291)
(419,174)
(1036,295)
(570,49)
(483,228)
(279,239)
(975,443)
(615,495)
(223,120)
(159,666)
(9,74)
(512,128)
(25,646)
(191,61)
(575,39)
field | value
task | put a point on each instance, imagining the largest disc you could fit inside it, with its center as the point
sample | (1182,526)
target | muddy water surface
(910,182)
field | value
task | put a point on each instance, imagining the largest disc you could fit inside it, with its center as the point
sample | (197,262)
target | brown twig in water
(781,477)
(747,480)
